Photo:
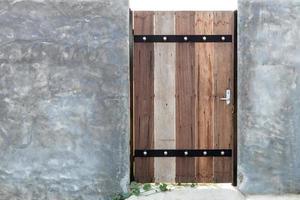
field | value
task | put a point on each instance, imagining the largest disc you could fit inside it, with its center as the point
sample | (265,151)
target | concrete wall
(64,109)
(269,96)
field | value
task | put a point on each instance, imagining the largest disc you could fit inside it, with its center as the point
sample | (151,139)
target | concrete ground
(274,197)
(200,192)
(207,192)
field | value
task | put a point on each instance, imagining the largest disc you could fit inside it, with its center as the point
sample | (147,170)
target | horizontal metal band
(183,38)
(183,153)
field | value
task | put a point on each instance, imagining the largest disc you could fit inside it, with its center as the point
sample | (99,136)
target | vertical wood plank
(143,89)
(185,97)
(223,58)
(164,99)
(204,61)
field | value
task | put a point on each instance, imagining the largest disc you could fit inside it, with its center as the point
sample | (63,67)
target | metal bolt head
(185,38)
(222,152)
(165,153)
(144,38)
(164,38)
(204,38)
(186,153)
(223,38)
(145,153)
(204,153)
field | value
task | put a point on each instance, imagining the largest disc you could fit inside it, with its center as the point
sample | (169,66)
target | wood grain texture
(185,97)
(223,59)
(204,62)
(164,99)
(143,87)
(177,89)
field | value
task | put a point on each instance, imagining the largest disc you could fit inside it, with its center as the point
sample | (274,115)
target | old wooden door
(183,86)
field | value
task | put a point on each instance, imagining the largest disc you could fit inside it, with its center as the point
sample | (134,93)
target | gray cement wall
(269,96)
(64,109)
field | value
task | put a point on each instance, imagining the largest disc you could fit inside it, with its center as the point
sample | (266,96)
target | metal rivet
(185,38)
(186,153)
(165,153)
(144,38)
(204,153)
(223,38)
(164,38)
(222,152)
(204,38)
(145,153)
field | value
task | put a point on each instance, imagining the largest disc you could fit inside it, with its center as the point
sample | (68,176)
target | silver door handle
(227,97)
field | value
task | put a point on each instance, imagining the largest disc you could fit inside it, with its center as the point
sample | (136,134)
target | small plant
(117,197)
(193,185)
(122,196)
(147,187)
(135,189)
(163,187)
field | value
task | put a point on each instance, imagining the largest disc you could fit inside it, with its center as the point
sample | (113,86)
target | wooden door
(183,64)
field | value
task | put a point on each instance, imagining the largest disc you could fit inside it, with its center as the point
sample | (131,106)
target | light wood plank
(164,100)
(143,79)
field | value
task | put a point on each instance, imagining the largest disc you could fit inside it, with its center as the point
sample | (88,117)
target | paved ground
(201,192)
(271,197)
(207,192)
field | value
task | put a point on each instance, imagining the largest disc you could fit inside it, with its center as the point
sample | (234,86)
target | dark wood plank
(205,63)
(223,58)
(143,89)
(185,97)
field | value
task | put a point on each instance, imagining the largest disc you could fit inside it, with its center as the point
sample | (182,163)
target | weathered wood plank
(205,63)
(143,79)
(164,99)
(223,58)
(185,97)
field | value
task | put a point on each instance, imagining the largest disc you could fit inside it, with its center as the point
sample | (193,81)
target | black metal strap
(183,153)
(182,38)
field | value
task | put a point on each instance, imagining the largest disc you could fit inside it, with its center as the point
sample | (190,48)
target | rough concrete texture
(202,192)
(268,96)
(64,109)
